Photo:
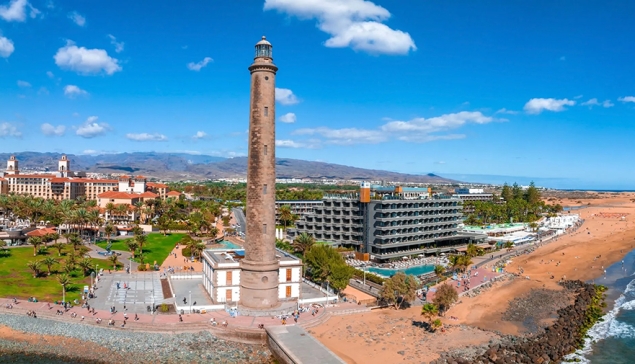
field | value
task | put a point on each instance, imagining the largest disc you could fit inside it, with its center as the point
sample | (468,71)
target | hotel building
(389,222)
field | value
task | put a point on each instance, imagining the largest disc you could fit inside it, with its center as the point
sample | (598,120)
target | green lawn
(156,248)
(16,279)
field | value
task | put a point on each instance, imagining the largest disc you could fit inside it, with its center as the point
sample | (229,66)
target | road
(239,216)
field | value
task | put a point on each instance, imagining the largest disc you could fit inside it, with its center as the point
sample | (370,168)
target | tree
(86,265)
(74,240)
(533,226)
(141,241)
(303,243)
(64,281)
(444,297)
(506,193)
(132,246)
(509,245)
(164,224)
(517,191)
(59,247)
(435,325)
(286,216)
(114,260)
(399,288)
(326,264)
(532,195)
(3,247)
(439,270)
(429,311)
(49,262)
(36,242)
(34,265)
(471,250)
(109,229)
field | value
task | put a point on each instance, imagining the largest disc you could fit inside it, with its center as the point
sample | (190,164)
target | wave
(609,326)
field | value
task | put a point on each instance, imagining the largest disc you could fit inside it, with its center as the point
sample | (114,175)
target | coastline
(599,242)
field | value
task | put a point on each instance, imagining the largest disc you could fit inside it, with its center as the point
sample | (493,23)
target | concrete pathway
(301,347)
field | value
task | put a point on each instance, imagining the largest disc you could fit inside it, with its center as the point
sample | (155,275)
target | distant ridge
(182,166)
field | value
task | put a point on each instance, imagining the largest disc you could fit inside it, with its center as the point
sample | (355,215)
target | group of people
(31,314)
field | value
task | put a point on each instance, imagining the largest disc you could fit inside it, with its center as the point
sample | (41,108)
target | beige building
(68,185)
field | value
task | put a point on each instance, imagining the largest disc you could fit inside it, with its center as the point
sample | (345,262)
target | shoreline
(581,255)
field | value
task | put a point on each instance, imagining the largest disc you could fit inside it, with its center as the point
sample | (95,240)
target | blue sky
(540,89)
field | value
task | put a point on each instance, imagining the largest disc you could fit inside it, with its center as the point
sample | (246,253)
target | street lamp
(152,293)
(130,266)
(190,301)
(327,293)
(364,270)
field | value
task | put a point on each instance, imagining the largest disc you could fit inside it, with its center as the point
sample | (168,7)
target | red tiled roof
(148,194)
(174,193)
(41,232)
(118,195)
(123,177)
(157,185)
(61,179)
(140,177)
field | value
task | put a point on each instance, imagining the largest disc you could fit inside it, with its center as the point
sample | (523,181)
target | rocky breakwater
(550,346)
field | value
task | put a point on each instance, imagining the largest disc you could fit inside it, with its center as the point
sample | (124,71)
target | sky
(489,91)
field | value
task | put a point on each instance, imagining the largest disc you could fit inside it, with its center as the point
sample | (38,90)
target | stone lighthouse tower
(259,275)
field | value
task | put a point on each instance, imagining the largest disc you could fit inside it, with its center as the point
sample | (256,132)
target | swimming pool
(228,245)
(415,270)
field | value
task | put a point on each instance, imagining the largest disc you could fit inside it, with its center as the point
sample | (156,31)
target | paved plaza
(142,290)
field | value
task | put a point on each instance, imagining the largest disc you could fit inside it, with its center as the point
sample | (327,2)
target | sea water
(612,341)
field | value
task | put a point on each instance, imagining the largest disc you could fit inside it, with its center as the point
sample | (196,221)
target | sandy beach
(604,238)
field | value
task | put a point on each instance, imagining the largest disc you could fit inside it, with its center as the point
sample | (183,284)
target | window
(266,111)
(288,275)
(264,228)
(288,291)
(264,189)
(265,149)
(229,278)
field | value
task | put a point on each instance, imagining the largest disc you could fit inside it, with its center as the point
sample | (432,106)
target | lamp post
(364,270)
(190,302)
(152,310)
(130,266)
(327,293)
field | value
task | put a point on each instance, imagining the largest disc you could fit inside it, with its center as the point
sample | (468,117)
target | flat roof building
(389,222)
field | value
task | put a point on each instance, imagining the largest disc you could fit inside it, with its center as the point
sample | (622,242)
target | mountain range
(181,166)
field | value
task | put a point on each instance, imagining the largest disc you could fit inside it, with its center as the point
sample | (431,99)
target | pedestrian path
(300,347)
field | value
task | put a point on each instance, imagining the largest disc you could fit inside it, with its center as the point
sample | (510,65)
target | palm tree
(429,311)
(471,250)
(86,265)
(109,229)
(63,280)
(198,249)
(49,262)
(114,260)
(303,243)
(110,207)
(439,270)
(285,215)
(3,247)
(34,265)
(213,231)
(140,240)
(132,246)
(122,211)
(36,242)
(75,241)
(509,245)
(435,325)
(59,247)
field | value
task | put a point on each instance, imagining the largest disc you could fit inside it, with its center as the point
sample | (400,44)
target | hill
(180,166)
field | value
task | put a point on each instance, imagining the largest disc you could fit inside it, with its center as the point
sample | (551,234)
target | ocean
(612,341)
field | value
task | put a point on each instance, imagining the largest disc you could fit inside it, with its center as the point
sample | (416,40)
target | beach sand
(610,237)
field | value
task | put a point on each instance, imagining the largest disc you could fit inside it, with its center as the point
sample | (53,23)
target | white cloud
(16,11)
(286,96)
(197,66)
(357,24)
(627,99)
(147,137)
(23,84)
(48,129)
(6,47)
(345,136)
(417,130)
(71,91)
(90,152)
(288,144)
(9,130)
(199,135)
(50,74)
(77,18)
(91,128)
(505,111)
(594,102)
(43,91)
(85,61)
(538,105)
(288,118)
(118,45)
(439,162)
